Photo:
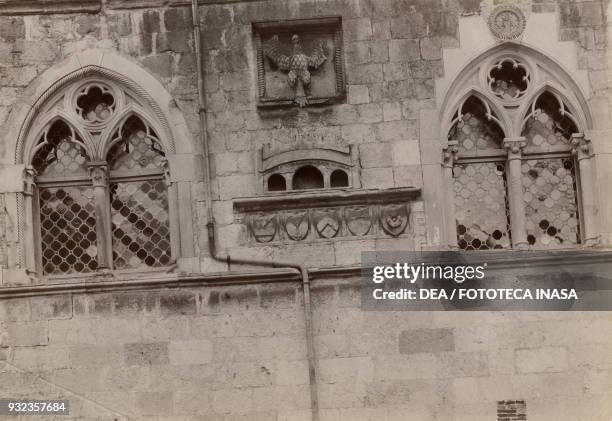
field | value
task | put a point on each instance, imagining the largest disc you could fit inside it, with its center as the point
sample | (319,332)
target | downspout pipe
(210,225)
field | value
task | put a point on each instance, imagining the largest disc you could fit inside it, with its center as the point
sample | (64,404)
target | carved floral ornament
(507,22)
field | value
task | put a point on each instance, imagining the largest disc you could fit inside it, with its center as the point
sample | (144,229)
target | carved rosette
(507,22)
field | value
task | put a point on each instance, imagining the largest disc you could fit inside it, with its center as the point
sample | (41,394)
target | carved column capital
(29,175)
(514,146)
(99,174)
(166,167)
(581,146)
(449,153)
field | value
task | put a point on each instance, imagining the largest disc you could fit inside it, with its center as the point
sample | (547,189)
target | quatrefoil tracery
(95,103)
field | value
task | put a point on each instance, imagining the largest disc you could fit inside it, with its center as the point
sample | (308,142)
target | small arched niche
(338,178)
(277,182)
(307,177)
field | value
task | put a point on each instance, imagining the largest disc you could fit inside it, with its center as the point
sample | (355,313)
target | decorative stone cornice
(325,199)
(152,281)
(38,7)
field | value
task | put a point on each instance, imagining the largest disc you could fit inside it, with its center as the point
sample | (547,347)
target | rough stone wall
(239,353)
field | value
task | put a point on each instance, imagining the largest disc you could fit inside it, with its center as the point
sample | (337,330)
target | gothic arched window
(517,163)
(101,196)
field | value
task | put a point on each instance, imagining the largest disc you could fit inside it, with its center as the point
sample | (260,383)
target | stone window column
(449,156)
(581,149)
(99,177)
(29,189)
(514,147)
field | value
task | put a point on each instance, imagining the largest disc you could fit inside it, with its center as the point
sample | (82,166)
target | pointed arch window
(518,191)
(479,177)
(102,197)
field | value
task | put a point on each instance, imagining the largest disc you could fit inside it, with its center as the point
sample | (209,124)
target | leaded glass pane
(475,129)
(137,148)
(140,224)
(481,206)
(546,125)
(59,154)
(550,203)
(68,229)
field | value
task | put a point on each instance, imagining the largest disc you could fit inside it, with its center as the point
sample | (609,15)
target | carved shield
(358,220)
(326,222)
(297,225)
(394,219)
(263,227)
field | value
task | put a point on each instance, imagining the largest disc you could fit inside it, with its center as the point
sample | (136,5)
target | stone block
(145,354)
(379,51)
(405,152)
(365,73)
(133,303)
(411,25)
(392,111)
(408,175)
(431,48)
(225,401)
(155,403)
(357,29)
(12,29)
(392,131)
(178,19)
(24,334)
(426,340)
(541,360)
(43,358)
(375,155)
(150,21)
(159,64)
(54,307)
(179,302)
(358,94)
(369,113)
(11,178)
(277,296)
(377,178)
(15,310)
(174,42)
(404,50)
(99,355)
(358,52)
(190,352)
(463,364)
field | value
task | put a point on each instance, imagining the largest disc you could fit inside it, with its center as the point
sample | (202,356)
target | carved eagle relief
(297,64)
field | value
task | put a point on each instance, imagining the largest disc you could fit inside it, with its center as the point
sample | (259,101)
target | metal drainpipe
(210,225)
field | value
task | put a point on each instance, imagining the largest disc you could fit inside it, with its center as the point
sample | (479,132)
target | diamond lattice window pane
(549,193)
(140,223)
(549,123)
(137,148)
(481,207)
(476,128)
(60,155)
(68,230)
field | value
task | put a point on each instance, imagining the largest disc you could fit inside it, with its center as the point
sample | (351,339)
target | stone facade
(211,340)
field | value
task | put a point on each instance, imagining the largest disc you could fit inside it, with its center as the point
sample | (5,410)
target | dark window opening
(307,177)
(277,182)
(339,179)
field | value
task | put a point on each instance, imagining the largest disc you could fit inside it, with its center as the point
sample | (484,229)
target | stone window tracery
(102,189)
(517,162)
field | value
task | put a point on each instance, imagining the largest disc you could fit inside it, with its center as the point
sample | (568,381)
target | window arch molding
(547,72)
(155,106)
(527,159)
(504,122)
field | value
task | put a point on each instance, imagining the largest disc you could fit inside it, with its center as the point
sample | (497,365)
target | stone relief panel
(323,216)
(299,62)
